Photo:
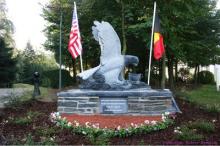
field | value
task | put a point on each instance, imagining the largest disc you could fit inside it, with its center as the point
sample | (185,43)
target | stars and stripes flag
(75,46)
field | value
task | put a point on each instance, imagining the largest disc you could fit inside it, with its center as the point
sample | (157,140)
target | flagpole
(151,43)
(81,62)
(60,45)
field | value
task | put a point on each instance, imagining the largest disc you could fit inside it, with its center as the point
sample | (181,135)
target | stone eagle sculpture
(110,73)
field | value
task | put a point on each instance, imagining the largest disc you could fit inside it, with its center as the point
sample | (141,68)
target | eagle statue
(109,74)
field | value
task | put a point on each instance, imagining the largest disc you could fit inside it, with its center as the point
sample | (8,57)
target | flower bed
(97,124)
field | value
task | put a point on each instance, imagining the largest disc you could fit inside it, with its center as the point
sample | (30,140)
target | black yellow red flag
(158,39)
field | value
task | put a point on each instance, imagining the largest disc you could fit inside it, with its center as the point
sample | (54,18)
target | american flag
(75,46)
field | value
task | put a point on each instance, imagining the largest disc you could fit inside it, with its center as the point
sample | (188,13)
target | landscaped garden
(29,122)
(109,72)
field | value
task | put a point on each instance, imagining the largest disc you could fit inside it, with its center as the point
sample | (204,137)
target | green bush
(204,126)
(22,121)
(206,77)
(51,78)
(184,75)
(188,134)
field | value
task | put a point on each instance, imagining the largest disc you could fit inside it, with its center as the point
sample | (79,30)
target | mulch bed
(109,121)
(12,133)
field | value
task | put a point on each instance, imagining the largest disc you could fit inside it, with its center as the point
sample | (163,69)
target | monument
(104,90)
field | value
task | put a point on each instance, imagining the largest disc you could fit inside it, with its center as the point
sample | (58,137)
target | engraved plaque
(108,105)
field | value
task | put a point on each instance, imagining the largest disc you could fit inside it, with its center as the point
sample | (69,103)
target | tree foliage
(7,65)
(190,29)
(30,61)
(7,61)
(6,26)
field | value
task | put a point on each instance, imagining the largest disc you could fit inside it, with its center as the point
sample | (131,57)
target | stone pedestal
(129,102)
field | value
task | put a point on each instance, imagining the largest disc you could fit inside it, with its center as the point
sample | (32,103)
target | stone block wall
(149,106)
(136,105)
(78,105)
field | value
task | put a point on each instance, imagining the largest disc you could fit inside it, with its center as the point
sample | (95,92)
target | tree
(29,52)
(6,26)
(30,61)
(189,28)
(7,65)
(7,62)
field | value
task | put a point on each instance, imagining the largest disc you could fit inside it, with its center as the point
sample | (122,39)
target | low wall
(69,102)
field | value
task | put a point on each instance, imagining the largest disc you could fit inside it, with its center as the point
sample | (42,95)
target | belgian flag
(158,39)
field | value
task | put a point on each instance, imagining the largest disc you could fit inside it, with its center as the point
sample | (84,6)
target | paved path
(5,93)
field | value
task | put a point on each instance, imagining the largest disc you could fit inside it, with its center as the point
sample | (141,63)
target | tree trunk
(124,45)
(163,75)
(176,70)
(86,63)
(196,75)
(170,72)
(198,70)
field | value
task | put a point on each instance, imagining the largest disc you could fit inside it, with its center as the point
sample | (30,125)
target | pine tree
(7,65)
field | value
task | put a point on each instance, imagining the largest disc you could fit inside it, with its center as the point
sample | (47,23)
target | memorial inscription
(113,105)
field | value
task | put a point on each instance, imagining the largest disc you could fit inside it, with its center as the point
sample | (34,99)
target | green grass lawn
(45,92)
(206,95)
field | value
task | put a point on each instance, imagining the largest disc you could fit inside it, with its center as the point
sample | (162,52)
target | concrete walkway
(6,93)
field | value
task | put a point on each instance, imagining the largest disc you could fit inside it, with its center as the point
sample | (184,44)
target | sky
(25,15)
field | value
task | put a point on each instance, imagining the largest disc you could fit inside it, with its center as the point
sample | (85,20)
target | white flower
(147,122)
(214,121)
(52,139)
(135,126)
(153,122)
(83,132)
(119,127)
(87,124)
(132,124)
(57,114)
(69,124)
(177,131)
(163,118)
(59,117)
(77,124)
(167,113)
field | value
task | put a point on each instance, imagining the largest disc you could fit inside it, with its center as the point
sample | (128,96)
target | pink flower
(119,127)
(147,122)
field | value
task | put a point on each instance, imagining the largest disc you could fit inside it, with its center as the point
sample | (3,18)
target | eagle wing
(108,40)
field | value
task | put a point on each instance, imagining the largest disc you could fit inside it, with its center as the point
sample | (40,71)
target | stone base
(131,102)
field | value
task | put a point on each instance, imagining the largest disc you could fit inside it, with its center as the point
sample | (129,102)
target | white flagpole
(151,43)
(81,63)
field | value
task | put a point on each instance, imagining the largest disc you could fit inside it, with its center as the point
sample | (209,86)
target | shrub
(188,134)
(206,77)
(51,78)
(184,75)
(22,121)
(203,126)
